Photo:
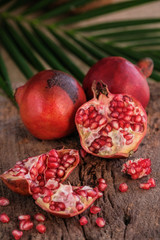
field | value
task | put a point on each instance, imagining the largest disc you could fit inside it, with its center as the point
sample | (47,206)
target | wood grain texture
(133,215)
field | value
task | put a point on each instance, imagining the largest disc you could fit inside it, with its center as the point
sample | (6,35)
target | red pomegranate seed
(83,221)
(102,186)
(25,225)
(79,206)
(60,173)
(100,222)
(101,180)
(123,187)
(4,218)
(83,153)
(41,228)
(53,153)
(24,217)
(95,209)
(145,186)
(152,182)
(39,217)
(91,193)
(17,234)
(4,201)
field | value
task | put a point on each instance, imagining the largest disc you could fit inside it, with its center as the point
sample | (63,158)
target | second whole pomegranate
(48,103)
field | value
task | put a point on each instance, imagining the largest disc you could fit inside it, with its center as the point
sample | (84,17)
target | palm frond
(46,34)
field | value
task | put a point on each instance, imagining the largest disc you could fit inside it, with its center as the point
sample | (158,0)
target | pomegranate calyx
(99,88)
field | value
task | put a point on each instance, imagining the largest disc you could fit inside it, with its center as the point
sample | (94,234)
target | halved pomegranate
(41,176)
(111,125)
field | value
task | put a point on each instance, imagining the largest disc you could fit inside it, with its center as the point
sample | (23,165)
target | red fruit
(100,222)
(121,76)
(123,187)
(25,225)
(48,103)
(4,201)
(95,210)
(83,221)
(4,218)
(105,130)
(41,228)
(152,182)
(102,186)
(137,168)
(24,217)
(26,177)
(17,234)
(145,186)
(39,217)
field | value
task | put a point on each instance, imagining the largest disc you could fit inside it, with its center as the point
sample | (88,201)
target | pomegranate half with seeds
(42,177)
(121,76)
(48,103)
(111,125)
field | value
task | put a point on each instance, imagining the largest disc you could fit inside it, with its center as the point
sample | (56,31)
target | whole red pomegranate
(111,125)
(121,76)
(48,103)
(42,177)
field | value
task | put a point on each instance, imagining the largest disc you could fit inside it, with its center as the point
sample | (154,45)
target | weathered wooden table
(134,215)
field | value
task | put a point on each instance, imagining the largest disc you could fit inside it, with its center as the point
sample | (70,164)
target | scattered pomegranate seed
(25,225)
(95,209)
(83,221)
(102,186)
(41,228)
(100,222)
(83,153)
(123,187)
(4,201)
(39,217)
(4,218)
(145,186)
(152,182)
(24,217)
(17,234)
(101,180)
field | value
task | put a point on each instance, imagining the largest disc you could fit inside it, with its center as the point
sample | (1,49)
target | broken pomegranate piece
(137,168)
(68,201)
(111,125)
(42,173)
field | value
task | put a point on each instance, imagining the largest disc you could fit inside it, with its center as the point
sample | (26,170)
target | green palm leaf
(44,34)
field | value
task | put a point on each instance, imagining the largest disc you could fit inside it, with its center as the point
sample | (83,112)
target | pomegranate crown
(99,88)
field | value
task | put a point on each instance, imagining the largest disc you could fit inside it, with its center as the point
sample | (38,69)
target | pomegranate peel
(121,76)
(35,173)
(137,168)
(111,125)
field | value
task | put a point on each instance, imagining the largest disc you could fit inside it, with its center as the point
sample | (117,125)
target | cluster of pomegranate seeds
(123,187)
(111,124)
(17,234)
(137,168)
(4,218)
(95,209)
(100,222)
(4,201)
(102,184)
(83,221)
(41,228)
(150,183)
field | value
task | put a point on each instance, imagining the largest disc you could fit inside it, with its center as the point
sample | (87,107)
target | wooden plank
(131,215)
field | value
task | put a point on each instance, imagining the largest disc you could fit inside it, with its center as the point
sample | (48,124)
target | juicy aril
(48,103)
(42,177)
(121,76)
(111,125)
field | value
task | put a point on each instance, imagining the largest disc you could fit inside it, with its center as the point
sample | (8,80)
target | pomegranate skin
(121,76)
(48,103)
